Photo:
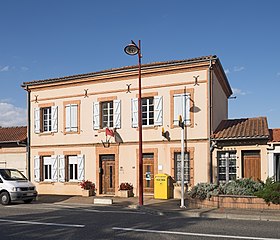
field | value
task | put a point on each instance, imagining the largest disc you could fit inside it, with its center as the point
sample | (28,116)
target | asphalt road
(60,221)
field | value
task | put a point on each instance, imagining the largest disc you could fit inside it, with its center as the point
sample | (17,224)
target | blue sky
(55,38)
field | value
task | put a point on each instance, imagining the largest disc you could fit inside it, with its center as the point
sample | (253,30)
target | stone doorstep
(104,201)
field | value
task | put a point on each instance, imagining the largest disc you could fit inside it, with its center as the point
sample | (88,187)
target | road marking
(191,234)
(43,223)
(47,206)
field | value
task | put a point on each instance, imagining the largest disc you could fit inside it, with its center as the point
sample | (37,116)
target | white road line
(43,223)
(68,207)
(191,234)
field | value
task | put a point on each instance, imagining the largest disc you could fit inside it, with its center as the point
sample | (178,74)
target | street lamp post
(133,49)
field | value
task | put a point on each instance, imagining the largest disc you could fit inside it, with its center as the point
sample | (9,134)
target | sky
(55,38)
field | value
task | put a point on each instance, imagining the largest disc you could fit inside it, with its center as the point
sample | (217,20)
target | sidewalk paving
(165,207)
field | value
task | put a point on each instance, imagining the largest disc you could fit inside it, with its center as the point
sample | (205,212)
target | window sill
(46,134)
(148,128)
(77,132)
(47,183)
(72,183)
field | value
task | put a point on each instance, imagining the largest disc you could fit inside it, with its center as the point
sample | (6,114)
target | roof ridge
(202,58)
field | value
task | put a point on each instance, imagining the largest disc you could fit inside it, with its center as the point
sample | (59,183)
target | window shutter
(158,110)
(187,112)
(74,117)
(37,120)
(54,168)
(182,107)
(117,114)
(68,118)
(96,118)
(54,118)
(178,106)
(134,112)
(81,168)
(61,170)
(37,168)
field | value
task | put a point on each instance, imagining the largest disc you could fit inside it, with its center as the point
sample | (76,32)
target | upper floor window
(181,108)
(148,111)
(72,117)
(107,114)
(45,119)
(151,111)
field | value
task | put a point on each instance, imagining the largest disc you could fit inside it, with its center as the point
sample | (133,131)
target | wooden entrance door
(148,173)
(107,174)
(251,162)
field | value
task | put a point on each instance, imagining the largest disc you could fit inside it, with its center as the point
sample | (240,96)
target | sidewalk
(167,207)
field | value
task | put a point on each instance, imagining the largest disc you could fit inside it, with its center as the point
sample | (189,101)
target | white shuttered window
(182,107)
(71,114)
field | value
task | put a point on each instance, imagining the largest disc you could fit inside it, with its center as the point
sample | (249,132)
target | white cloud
(238,68)
(226,71)
(4,69)
(237,91)
(10,115)
(23,68)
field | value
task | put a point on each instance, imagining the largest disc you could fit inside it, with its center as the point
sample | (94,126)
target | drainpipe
(28,134)
(210,119)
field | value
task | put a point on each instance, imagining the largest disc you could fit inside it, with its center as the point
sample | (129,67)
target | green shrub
(204,190)
(270,192)
(243,187)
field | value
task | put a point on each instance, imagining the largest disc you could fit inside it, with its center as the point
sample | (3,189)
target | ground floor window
(47,168)
(177,175)
(226,166)
(73,168)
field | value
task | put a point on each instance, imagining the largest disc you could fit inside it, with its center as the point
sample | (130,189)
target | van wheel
(27,201)
(5,198)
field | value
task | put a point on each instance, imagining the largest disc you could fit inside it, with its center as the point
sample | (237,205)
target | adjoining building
(240,149)
(273,153)
(13,148)
(85,126)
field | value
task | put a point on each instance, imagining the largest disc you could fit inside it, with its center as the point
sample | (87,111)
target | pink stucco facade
(80,150)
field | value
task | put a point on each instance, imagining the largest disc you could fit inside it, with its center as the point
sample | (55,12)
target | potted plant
(88,188)
(126,190)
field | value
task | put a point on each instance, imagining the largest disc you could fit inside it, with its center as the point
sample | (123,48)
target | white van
(14,186)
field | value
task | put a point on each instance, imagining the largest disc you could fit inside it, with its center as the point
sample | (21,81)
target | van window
(12,174)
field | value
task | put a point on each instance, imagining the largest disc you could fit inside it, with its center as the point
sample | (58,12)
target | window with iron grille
(177,159)
(226,166)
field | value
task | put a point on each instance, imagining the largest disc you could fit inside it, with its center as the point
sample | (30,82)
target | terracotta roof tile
(13,134)
(243,128)
(274,134)
(92,74)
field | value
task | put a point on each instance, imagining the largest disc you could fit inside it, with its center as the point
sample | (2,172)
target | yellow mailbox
(163,186)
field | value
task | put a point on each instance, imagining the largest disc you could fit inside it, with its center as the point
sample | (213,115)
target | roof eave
(119,70)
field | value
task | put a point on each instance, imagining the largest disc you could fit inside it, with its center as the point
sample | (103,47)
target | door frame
(146,150)
(243,163)
(102,177)
(112,150)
